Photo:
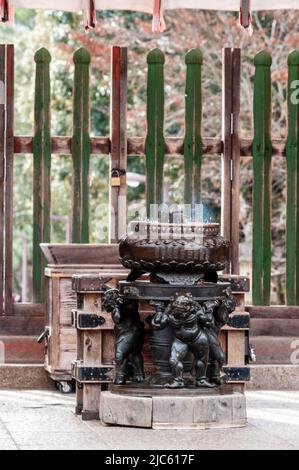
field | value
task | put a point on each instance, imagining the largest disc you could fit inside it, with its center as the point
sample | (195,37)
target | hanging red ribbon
(91,16)
(245,15)
(6,11)
(158,19)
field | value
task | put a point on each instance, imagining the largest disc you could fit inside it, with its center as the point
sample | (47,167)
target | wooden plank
(29,310)
(82,255)
(68,301)
(41,169)
(54,338)
(155,144)
(227,144)
(2,169)
(292,157)
(230,182)
(193,150)
(9,157)
(118,155)
(81,148)
(235,348)
(276,312)
(262,154)
(235,176)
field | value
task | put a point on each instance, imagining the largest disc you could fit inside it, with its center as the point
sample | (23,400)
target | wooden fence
(193,147)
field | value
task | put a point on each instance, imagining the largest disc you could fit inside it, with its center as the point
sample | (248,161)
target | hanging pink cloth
(91,16)
(245,15)
(6,11)
(158,19)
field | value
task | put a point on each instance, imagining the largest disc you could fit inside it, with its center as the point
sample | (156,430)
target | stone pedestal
(174,409)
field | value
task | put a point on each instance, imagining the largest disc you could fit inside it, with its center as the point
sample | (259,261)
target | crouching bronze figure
(188,319)
(129,337)
(196,329)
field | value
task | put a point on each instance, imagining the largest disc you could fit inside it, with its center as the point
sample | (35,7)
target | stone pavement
(45,420)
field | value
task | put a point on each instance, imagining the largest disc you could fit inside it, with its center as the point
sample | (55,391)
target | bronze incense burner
(190,304)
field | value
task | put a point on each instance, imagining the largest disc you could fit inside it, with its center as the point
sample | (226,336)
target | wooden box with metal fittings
(94,368)
(100,261)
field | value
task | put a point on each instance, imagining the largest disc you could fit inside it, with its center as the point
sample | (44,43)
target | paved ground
(46,420)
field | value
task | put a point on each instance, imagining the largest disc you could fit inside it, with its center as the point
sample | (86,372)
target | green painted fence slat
(42,169)
(81,148)
(262,156)
(155,144)
(193,149)
(292,155)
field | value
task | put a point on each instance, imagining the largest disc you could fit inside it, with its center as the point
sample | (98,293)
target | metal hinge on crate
(82,374)
(239,321)
(87,321)
(237,374)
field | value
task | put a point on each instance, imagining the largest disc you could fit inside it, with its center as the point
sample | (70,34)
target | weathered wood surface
(82,255)
(235,173)
(2,170)
(118,151)
(193,150)
(290,312)
(9,161)
(235,348)
(155,144)
(41,169)
(292,154)
(81,148)
(230,178)
(262,156)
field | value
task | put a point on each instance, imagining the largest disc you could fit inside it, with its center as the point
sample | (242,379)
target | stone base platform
(174,409)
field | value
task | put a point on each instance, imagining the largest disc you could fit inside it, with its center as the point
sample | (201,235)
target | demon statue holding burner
(195,329)
(129,337)
(219,313)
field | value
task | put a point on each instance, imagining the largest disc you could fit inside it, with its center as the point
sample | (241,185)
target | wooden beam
(174,146)
(227,98)
(230,207)
(262,155)
(292,232)
(9,158)
(41,169)
(29,310)
(155,143)
(193,150)
(119,145)
(277,311)
(235,174)
(81,148)
(2,169)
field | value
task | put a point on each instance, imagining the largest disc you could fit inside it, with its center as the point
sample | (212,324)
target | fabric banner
(147,5)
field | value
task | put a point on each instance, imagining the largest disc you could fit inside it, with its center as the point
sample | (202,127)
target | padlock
(115,178)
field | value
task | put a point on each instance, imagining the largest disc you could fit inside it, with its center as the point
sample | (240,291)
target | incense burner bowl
(174,247)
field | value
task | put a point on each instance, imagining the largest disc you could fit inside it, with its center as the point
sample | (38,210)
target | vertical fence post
(41,169)
(193,117)
(292,156)
(118,153)
(230,206)
(155,143)
(81,148)
(9,159)
(262,156)
(2,170)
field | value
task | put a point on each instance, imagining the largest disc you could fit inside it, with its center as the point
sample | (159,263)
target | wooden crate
(61,299)
(93,368)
